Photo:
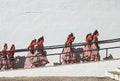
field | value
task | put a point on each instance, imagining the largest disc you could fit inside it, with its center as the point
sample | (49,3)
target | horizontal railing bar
(74,45)
(66,52)
(83,43)
(84,51)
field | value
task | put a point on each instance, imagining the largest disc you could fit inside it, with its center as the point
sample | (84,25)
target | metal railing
(74,45)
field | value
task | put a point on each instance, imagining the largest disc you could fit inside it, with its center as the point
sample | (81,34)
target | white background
(23,20)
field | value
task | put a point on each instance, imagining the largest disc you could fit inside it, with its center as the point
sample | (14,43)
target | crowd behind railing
(37,55)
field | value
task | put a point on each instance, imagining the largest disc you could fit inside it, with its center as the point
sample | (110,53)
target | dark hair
(88,35)
(95,32)
(73,38)
(32,41)
(71,34)
(5,45)
(41,38)
(35,40)
(12,46)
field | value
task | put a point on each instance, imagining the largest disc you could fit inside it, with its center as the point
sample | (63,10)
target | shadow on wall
(79,54)
(20,61)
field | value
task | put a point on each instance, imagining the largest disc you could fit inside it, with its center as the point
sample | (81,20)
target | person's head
(71,34)
(5,46)
(32,41)
(41,39)
(13,46)
(35,40)
(89,35)
(96,32)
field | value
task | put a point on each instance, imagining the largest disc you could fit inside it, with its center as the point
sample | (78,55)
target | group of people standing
(68,55)
(37,54)
(90,50)
(7,57)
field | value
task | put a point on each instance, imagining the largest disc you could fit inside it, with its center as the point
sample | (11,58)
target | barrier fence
(74,45)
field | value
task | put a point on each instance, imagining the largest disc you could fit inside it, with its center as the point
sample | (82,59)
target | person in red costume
(11,57)
(70,39)
(42,59)
(67,53)
(95,56)
(32,45)
(31,56)
(4,57)
(4,51)
(40,43)
(89,38)
(86,53)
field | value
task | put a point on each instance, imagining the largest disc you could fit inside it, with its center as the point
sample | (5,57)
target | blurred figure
(87,48)
(0,61)
(32,45)
(4,57)
(31,59)
(108,57)
(68,56)
(94,47)
(40,52)
(12,64)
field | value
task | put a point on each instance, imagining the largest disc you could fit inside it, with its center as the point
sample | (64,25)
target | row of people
(91,48)
(37,54)
(68,55)
(7,57)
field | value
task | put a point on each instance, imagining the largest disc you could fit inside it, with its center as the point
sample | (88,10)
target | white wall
(98,69)
(23,20)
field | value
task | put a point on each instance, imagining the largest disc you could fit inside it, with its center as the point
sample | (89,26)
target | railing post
(106,52)
(60,59)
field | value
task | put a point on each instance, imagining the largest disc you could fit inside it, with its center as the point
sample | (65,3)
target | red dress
(95,49)
(40,44)
(88,40)
(95,38)
(68,56)
(4,51)
(32,45)
(12,52)
(42,58)
(87,54)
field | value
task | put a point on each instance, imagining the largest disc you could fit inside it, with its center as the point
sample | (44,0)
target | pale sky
(23,20)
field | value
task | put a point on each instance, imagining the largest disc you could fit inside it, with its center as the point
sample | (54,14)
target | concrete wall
(82,69)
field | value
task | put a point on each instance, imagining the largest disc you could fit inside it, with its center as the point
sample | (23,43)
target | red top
(40,44)
(32,45)
(95,38)
(4,51)
(70,40)
(88,39)
(12,52)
